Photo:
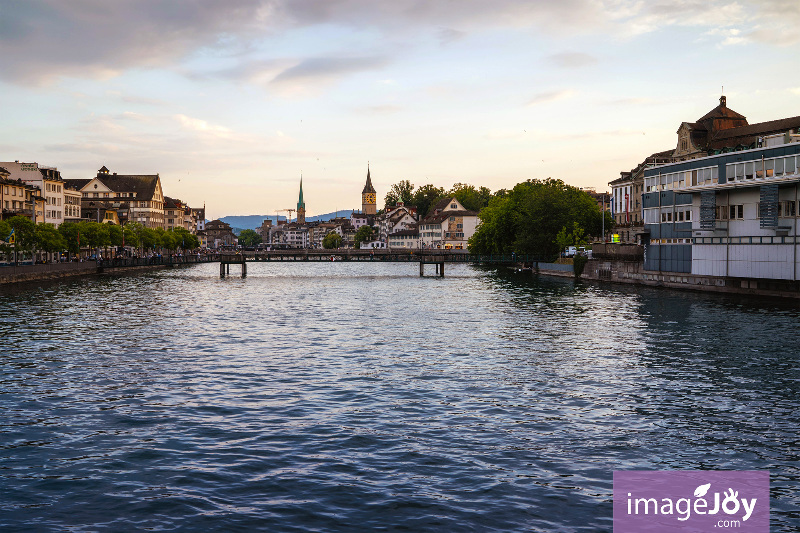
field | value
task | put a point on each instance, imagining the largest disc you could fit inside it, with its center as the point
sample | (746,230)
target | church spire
(368,188)
(301,204)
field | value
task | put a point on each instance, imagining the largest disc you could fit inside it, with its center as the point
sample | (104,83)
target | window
(453,206)
(736,212)
(748,171)
(721,212)
(687,215)
(787,209)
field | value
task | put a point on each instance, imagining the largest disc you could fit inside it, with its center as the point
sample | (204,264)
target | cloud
(326,69)
(572,59)
(201,126)
(549,96)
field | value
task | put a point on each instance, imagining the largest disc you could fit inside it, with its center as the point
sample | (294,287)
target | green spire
(300,203)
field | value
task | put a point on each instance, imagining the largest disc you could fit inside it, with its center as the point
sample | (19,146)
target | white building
(49,181)
(449,225)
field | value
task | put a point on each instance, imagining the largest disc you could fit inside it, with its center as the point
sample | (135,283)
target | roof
(410,231)
(762,128)
(722,111)
(76,184)
(300,203)
(444,215)
(143,185)
(368,188)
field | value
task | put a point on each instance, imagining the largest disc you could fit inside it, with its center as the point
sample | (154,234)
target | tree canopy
(364,234)
(249,237)
(332,240)
(403,191)
(528,219)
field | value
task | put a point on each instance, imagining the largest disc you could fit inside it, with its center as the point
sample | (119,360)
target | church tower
(301,205)
(368,202)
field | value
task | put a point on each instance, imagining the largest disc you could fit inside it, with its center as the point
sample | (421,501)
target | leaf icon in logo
(700,491)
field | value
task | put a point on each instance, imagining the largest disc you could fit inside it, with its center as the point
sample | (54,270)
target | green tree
(115,235)
(425,197)
(48,239)
(129,234)
(332,240)
(471,198)
(403,191)
(70,231)
(5,231)
(94,234)
(249,237)
(565,238)
(24,233)
(364,234)
(185,240)
(528,218)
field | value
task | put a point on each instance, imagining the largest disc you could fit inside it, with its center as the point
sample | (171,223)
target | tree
(70,231)
(48,239)
(332,240)
(185,240)
(425,197)
(528,218)
(566,238)
(249,238)
(94,234)
(471,198)
(403,191)
(115,235)
(24,233)
(364,234)
(5,232)
(129,234)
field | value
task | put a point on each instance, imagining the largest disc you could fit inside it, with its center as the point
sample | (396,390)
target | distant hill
(254,221)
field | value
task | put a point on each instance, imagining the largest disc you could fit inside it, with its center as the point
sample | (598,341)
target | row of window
(721,212)
(52,187)
(750,170)
(651,216)
(671,241)
(765,168)
(12,191)
(679,180)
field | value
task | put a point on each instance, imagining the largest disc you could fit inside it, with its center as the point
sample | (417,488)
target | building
(368,199)
(394,219)
(18,198)
(199,214)
(48,180)
(219,234)
(407,238)
(178,215)
(301,205)
(72,203)
(449,225)
(626,196)
(133,198)
(731,212)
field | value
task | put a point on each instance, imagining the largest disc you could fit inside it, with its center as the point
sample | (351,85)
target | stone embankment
(53,271)
(624,264)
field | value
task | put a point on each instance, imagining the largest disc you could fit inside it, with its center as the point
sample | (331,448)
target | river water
(359,397)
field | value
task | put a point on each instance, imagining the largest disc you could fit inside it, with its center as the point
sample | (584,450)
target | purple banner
(691,501)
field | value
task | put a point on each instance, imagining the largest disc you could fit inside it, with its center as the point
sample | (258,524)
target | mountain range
(254,221)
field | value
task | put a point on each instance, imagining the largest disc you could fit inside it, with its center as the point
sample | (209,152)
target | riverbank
(632,272)
(54,271)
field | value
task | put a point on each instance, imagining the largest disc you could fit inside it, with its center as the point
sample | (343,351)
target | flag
(11,237)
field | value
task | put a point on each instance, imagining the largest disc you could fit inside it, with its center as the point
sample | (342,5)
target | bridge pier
(225,269)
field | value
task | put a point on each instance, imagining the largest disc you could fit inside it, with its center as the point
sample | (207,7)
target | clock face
(370,198)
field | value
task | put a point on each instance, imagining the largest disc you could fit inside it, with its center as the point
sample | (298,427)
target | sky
(231,102)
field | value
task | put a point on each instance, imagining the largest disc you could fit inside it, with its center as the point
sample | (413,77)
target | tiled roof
(143,185)
(762,128)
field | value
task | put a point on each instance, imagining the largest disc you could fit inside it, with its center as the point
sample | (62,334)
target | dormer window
(684,144)
(453,206)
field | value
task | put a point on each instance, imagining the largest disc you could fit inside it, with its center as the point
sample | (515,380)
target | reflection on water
(359,396)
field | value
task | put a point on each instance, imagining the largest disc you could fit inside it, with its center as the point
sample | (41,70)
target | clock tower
(368,201)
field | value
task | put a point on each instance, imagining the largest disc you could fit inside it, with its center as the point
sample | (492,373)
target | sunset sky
(231,101)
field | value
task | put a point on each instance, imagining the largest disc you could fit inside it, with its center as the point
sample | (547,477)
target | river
(359,397)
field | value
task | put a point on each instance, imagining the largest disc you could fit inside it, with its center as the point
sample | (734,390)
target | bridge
(438,258)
